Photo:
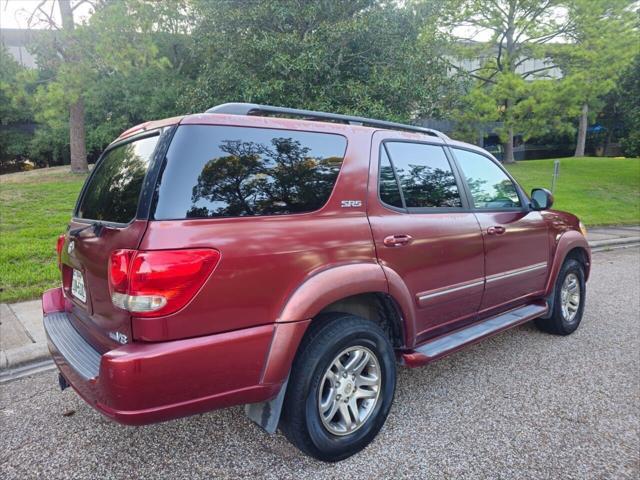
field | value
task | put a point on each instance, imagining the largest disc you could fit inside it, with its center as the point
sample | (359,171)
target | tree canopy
(536,68)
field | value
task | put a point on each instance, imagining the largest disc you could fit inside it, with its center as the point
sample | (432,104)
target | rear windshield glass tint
(220,171)
(114,188)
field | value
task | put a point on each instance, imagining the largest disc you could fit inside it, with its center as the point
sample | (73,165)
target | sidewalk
(22,337)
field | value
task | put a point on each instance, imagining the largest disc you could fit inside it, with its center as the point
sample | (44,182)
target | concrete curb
(614,242)
(16,357)
(38,351)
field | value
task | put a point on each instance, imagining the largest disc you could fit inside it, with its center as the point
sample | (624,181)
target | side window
(424,174)
(489,185)
(389,191)
(224,171)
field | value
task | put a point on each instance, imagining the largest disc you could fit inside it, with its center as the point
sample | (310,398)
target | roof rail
(265,110)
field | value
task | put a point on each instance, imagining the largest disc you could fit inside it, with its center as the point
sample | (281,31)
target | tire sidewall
(571,266)
(334,447)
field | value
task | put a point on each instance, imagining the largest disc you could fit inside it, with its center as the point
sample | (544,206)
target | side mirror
(541,199)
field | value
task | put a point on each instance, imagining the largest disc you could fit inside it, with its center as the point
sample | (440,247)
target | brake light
(59,246)
(158,282)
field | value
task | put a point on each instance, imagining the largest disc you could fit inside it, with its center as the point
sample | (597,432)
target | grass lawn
(36,206)
(601,191)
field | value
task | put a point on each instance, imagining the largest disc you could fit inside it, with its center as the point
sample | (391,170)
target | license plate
(77,286)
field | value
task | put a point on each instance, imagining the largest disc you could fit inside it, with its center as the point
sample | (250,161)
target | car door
(425,232)
(516,239)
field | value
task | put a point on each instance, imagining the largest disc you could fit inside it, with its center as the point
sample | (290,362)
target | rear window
(221,171)
(424,174)
(114,187)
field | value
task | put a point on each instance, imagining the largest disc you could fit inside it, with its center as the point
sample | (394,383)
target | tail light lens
(59,246)
(158,282)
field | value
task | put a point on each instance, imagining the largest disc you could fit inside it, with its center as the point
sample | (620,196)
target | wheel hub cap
(349,390)
(570,297)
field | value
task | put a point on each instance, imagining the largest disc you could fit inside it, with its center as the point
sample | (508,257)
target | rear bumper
(143,383)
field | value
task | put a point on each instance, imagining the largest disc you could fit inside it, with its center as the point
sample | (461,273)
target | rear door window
(424,175)
(114,187)
(223,171)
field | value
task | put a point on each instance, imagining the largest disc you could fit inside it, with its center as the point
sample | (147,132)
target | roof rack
(265,110)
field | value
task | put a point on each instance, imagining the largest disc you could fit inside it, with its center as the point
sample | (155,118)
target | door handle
(497,230)
(397,240)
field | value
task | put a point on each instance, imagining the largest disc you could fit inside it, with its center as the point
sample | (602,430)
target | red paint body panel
(523,244)
(446,250)
(286,338)
(95,319)
(147,382)
(235,341)
(167,122)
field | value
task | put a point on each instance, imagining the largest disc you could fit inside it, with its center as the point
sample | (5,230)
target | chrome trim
(449,290)
(489,279)
(517,271)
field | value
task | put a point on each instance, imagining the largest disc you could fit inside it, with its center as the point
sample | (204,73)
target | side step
(451,342)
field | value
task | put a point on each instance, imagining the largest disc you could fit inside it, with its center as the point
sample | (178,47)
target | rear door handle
(397,240)
(497,230)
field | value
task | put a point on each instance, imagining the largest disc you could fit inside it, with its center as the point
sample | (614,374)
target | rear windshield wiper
(96,225)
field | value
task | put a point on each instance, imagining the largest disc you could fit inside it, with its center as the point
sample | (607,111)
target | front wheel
(341,387)
(568,303)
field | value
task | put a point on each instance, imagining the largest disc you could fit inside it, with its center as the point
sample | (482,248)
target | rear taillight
(158,282)
(59,246)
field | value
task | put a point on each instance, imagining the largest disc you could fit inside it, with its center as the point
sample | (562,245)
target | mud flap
(267,414)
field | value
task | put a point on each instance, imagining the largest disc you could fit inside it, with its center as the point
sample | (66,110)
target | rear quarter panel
(265,259)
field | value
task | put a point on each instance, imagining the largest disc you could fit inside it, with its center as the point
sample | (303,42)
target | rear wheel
(340,389)
(569,298)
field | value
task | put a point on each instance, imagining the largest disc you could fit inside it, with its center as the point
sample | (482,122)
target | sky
(16,13)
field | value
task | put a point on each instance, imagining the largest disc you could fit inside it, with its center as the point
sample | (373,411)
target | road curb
(614,242)
(17,357)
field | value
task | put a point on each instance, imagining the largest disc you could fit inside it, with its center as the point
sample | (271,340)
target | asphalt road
(520,405)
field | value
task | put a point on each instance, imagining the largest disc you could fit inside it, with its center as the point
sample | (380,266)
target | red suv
(239,257)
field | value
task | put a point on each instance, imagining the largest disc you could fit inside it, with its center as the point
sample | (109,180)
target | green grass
(35,208)
(601,191)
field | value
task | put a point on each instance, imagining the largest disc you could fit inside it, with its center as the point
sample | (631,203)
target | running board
(449,343)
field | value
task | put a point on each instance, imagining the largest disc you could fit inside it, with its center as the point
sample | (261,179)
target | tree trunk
(76,109)
(582,131)
(507,156)
(77,140)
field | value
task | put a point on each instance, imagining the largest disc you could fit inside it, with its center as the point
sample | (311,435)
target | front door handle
(397,240)
(497,230)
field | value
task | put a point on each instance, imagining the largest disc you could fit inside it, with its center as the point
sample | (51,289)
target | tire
(564,321)
(329,337)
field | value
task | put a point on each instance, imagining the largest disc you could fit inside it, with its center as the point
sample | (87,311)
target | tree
(628,105)
(65,55)
(602,43)
(516,52)
(356,57)
(124,63)
(14,109)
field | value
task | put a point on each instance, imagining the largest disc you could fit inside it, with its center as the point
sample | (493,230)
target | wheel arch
(570,243)
(361,289)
